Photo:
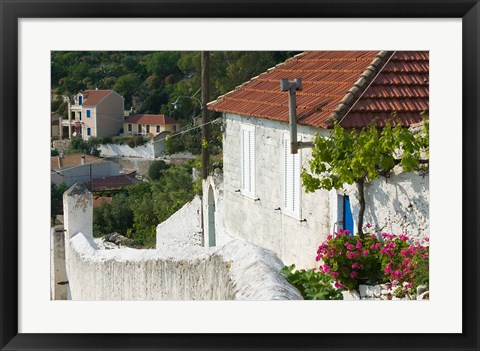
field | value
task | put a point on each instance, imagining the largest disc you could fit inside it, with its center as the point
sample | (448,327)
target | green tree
(56,198)
(156,169)
(127,86)
(360,156)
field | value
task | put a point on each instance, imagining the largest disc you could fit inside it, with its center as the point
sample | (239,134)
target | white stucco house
(261,198)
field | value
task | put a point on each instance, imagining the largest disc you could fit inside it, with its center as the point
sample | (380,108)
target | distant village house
(96,113)
(149,125)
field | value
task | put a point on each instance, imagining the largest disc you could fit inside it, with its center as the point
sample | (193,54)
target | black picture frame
(11,11)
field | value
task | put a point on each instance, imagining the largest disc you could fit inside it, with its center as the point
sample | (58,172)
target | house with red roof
(96,113)
(261,198)
(149,125)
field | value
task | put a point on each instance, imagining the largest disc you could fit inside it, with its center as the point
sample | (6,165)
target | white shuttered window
(248,160)
(291,180)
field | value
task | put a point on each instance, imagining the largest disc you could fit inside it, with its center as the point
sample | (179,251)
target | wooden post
(205,114)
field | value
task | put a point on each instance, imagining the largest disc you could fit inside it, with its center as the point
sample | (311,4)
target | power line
(105,158)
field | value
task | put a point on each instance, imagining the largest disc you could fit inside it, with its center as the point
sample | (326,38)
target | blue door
(347,215)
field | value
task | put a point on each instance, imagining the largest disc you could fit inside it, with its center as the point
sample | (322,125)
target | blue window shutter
(88,113)
(89,131)
(80,100)
(347,215)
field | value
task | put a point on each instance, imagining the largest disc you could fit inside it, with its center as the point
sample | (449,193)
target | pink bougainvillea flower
(427,239)
(365,252)
(409,285)
(351,254)
(353,274)
(374,236)
(349,246)
(355,265)
(334,274)
(329,237)
(359,244)
(339,285)
(425,256)
(368,225)
(403,237)
(326,268)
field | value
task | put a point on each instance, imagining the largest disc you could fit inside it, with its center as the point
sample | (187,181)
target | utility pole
(205,114)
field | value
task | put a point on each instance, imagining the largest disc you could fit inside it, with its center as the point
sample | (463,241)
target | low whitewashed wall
(238,270)
(183,228)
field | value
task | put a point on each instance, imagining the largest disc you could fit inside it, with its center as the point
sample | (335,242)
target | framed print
(78,286)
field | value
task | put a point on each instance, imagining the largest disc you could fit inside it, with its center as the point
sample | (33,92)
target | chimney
(82,160)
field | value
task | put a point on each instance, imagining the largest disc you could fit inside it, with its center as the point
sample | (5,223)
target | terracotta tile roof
(401,88)
(107,183)
(58,162)
(151,119)
(327,78)
(93,97)
(100,200)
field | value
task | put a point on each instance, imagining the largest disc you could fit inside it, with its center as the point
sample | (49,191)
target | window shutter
(244,160)
(248,161)
(292,185)
(251,162)
(296,183)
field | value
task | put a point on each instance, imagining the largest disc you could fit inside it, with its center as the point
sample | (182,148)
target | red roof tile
(399,92)
(93,97)
(151,119)
(100,200)
(327,76)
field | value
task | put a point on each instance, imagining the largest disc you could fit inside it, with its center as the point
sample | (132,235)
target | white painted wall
(183,228)
(259,222)
(82,173)
(215,181)
(149,150)
(238,270)
(398,205)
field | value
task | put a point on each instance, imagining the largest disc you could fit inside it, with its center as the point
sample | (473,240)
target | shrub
(352,261)
(312,284)
(156,169)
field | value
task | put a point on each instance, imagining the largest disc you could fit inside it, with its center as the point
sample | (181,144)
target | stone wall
(238,270)
(399,204)
(214,196)
(58,274)
(263,222)
(183,228)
